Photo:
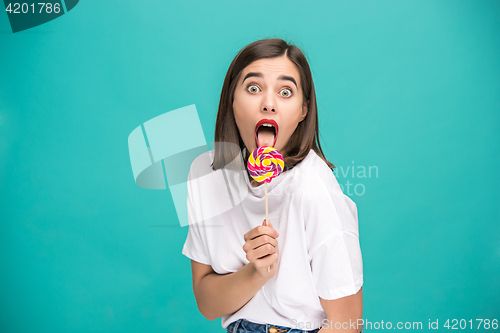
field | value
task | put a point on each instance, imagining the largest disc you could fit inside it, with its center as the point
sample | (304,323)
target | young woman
(303,272)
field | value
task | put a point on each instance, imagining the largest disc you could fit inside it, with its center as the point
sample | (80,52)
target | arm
(344,311)
(219,295)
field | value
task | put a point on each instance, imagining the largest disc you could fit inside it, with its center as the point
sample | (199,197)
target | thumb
(269,224)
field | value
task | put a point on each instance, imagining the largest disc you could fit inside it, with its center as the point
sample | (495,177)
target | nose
(268,104)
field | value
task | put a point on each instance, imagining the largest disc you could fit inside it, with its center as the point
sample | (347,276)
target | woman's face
(269,91)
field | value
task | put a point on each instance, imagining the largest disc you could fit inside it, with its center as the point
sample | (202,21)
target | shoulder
(201,165)
(323,202)
(319,189)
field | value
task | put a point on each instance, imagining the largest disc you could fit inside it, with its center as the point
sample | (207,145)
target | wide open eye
(253,88)
(287,92)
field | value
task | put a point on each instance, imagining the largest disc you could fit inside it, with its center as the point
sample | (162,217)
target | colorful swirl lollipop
(265,163)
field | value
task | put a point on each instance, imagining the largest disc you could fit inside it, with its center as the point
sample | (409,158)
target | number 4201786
(23,8)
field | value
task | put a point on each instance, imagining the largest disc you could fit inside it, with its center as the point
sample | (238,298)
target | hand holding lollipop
(264,164)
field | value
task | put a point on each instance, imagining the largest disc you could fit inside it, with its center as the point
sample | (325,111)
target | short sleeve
(195,247)
(337,266)
(333,235)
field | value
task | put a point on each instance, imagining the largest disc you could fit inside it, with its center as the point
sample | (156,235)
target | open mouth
(266,133)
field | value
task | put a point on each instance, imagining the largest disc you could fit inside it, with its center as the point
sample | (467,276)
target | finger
(275,231)
(254,244)
(260,253)
(251,234)
(266,262)
(256,232)
(263,230)
(270,231)
(263,251)
(260,230)
(262,240)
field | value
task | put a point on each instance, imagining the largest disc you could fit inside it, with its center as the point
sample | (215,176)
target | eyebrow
(282,77)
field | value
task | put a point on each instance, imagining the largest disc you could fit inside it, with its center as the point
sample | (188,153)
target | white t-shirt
(319,251)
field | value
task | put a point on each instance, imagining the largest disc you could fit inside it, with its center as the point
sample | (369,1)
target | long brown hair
(306,135)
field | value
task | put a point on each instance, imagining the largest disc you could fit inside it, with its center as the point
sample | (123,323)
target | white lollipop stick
(265,185)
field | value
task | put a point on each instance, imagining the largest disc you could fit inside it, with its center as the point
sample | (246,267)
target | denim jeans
(245,326)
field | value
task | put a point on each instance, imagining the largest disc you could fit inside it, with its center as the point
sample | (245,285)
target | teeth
(267,125)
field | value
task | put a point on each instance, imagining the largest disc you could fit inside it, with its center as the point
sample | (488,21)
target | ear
(305,109)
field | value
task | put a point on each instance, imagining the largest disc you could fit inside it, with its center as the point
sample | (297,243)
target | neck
(255,183)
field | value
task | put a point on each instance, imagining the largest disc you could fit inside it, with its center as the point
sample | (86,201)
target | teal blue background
(411,87)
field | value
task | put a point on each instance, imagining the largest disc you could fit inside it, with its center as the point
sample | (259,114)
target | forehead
(273,67)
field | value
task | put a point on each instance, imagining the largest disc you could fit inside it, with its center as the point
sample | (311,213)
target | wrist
(255,275)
